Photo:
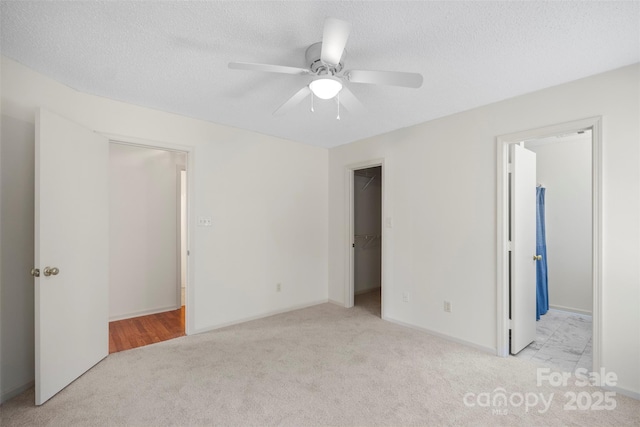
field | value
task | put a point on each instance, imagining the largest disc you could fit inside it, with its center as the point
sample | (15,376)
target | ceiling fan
(326,66)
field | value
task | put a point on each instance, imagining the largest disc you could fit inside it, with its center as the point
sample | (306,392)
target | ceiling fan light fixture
(325,87)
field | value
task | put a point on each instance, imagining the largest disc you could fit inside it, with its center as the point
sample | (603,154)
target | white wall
(367,218)
(440,191)
(267,197)
(16,256)
(563,167)
(143,230)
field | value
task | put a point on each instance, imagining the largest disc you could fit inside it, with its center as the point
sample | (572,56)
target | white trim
(348,242)
(332,301)
(179,170)
(10,394)
(263,315)
(482,348)
(366,291)
(190,151)
(624,392)
(502,283)
(145,143)
(143,313)
(597,242)
(570,310)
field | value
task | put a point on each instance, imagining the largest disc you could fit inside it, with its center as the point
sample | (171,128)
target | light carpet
(320,366)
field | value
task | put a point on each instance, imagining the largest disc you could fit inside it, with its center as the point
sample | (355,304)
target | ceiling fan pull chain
(338,101)
(312,110)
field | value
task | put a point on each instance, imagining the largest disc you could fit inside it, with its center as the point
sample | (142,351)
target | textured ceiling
(173,56)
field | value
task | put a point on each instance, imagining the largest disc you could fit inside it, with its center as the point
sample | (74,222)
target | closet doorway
(148,248)
(367,239)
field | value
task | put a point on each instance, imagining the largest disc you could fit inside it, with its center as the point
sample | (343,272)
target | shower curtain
(542,293)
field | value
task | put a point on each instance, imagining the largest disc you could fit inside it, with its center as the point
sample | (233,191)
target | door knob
(35,272)
(535,258)
(50,271)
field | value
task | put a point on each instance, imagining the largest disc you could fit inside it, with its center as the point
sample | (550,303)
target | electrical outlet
(278,287)
(405,297)
(447,306)
(204,221)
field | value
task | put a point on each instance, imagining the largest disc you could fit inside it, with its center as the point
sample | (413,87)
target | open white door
(71,251)
(523,248)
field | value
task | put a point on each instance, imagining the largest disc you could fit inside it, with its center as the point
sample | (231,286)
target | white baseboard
(338,303)
(625,392)
(482,348)
(10,394)
(570,310)
(364,291)
(259,316)
(142,313)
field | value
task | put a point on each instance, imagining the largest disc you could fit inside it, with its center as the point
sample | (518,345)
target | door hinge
(510,323)
(509,246)
(509,167)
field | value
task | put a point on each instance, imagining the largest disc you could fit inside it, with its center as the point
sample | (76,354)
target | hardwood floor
(138,331)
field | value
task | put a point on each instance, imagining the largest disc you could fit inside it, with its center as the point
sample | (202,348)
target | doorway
(565,312)
(564,177)
(72,247)
(147,240)
(367,239)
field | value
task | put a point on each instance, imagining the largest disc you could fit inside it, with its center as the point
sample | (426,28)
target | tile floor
(563,341)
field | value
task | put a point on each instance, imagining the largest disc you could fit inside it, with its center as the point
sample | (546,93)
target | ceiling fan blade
(293,101)
(268,68)
(350,102)
(334,39)
(392,78)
